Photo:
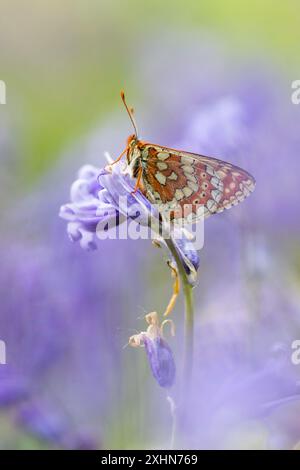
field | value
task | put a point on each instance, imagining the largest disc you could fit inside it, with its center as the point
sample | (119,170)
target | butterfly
(184,185)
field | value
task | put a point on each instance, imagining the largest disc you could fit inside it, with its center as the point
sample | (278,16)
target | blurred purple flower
(51,426)
(243,373)
(45,321)
(13,387)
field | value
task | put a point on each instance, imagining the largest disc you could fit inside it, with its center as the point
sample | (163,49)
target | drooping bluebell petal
(189,257)
(161,360)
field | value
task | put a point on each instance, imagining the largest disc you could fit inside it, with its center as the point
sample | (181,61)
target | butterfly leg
(176,290)
(138,181)
(108,167)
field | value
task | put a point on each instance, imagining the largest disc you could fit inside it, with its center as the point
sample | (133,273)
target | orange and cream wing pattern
(174,179)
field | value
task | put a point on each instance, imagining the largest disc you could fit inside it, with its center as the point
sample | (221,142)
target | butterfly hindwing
(175,180)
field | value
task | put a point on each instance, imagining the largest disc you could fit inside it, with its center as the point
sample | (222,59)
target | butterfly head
(132,144)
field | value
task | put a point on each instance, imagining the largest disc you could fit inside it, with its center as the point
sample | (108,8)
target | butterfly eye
(205,185)
(196,201)
(203,194)
(203,175)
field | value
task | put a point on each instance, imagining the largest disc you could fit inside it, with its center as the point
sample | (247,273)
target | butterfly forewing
(177,180)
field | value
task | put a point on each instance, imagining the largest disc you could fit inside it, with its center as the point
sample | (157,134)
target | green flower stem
(189,313)
(189,329)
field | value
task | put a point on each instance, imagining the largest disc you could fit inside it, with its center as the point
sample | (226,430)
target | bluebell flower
(101,199)
(39,322)
(161,360)
(158,351)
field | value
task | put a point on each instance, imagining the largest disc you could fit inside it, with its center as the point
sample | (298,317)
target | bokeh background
(212,77)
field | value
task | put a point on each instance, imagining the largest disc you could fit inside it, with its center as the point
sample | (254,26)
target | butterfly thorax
(134,154)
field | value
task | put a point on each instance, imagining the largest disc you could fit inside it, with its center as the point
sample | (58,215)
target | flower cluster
(101,198)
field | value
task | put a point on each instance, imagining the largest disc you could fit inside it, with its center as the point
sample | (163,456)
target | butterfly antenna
(130,114)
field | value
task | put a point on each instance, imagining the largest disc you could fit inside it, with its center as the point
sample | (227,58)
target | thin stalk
(189,313)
